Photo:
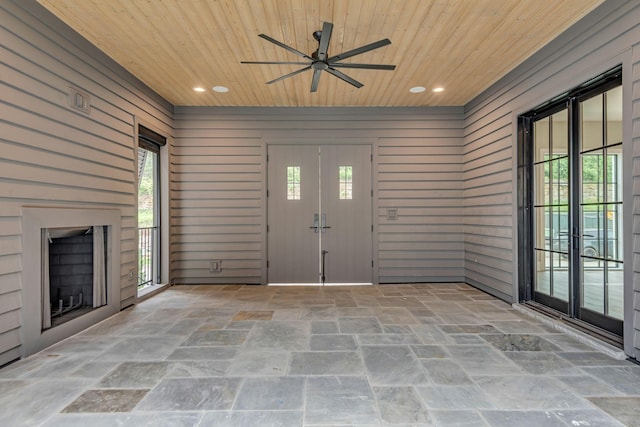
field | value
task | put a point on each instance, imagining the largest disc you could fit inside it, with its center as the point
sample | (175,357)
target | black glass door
(570,173)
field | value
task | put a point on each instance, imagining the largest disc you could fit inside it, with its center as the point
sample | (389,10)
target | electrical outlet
(215,266)
(392,214)
(131,274)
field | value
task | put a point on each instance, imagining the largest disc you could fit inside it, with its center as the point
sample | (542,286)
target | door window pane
(560,133)
(542,234)
(560,281)
(541,139)
(615,288)
(559,178)
(615,241)
(551,276)
(293,182)
(592,289)
(593,178)
(614,174)
(345,182)
(602,287)
(591,123)
(541,183)
(614,115)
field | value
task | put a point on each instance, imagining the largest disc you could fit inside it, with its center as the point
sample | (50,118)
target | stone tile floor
(388,355)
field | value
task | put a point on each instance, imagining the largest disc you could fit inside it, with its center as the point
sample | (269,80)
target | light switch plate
(79,100)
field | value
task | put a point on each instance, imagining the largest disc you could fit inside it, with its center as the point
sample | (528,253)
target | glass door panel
(601,267)
(148,217)
(551,220)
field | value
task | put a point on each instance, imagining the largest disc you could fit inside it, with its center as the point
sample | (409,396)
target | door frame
(323,140)
(164,204)
(523,197)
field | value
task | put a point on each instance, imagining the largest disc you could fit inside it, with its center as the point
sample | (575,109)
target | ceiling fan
(320,60)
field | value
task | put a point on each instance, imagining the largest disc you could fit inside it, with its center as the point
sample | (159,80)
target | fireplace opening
(40,224)
(74,273)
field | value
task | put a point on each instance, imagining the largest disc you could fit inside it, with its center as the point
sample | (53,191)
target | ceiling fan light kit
(320,61)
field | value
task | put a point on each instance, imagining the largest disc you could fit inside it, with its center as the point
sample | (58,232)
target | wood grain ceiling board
(461,45)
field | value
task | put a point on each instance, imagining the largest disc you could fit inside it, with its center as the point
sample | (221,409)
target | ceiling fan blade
(359,50)
(274,62)
(344,77)
(327,28)
(365,66)
(315,80)
(289,75)
(284,46)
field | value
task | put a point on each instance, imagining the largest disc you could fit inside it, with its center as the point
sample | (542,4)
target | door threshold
(320,284)
(574,329)
(150,290)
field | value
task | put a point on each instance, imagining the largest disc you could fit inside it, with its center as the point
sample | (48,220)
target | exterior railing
(147,238)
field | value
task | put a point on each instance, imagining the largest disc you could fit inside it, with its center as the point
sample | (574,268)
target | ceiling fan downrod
(316,35)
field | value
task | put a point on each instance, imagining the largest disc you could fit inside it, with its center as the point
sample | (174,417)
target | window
(149,146)
(293,182)
(345,182)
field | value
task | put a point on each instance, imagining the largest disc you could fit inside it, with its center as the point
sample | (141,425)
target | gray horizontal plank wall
(53,155)
(603,39)
(419,179)
(635,240)
(218,176)
(216,201)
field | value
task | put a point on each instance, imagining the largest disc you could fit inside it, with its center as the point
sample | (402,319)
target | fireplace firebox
(76,260)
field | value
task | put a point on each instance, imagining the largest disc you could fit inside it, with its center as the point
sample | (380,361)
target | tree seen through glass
(146,191)
(293,183)
(345,182)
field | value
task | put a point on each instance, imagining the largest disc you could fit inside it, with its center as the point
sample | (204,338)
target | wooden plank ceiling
(461,45)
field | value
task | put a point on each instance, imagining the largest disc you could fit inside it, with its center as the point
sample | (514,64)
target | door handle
(316,224)
(324,223)
(317,227)
(575,238)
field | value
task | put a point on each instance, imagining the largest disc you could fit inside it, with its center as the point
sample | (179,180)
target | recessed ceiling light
(199,89)
(417,89)
(438,89)
(221,89)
